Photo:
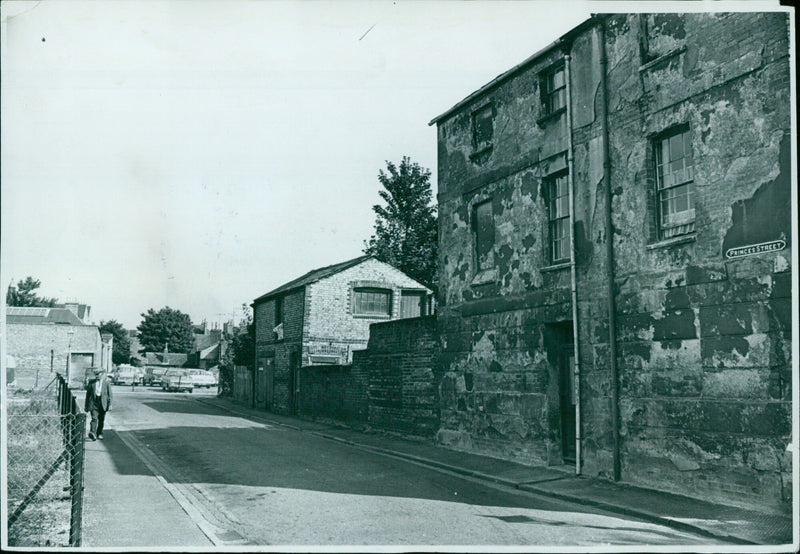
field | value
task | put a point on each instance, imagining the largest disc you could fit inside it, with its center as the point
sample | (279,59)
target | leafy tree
(23,294)
(166,327)
(241,351)
(406,226)
(122,343)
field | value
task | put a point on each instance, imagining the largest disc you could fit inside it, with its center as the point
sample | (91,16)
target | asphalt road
(249,483)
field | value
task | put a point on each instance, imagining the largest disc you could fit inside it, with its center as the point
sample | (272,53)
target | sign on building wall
(749,250)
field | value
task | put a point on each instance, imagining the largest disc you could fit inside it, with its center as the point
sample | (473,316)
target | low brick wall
(390,386)
(402,388)
(334,392)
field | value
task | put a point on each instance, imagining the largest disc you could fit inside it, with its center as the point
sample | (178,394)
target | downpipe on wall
(612,307)
(576,380)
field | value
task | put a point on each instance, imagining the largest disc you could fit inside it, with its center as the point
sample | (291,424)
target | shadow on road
(208,445)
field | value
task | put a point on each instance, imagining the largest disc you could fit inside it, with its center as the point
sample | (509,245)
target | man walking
(98,402)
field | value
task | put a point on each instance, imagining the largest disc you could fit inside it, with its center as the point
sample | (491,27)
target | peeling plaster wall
(499,392)
(703,341)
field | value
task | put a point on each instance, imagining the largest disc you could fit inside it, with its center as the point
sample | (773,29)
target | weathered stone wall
(703,341)
(499,390)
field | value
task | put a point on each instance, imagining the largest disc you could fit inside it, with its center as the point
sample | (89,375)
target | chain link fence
(45,452)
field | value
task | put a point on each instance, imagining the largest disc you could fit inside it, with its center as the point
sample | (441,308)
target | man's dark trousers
(98,417)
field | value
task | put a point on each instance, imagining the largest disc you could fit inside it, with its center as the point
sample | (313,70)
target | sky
(199,154)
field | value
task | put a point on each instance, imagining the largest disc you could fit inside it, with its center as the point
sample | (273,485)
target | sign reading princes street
(742,251)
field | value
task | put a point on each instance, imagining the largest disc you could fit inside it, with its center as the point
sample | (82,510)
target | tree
(23,294)
(166,328)
(122,343)
(241,351)
(406,227)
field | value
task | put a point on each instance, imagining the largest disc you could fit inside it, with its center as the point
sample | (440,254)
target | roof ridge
(311,277)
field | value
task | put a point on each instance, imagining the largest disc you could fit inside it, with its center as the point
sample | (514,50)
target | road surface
(249,483)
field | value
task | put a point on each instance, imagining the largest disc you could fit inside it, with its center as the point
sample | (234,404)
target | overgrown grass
(35,441)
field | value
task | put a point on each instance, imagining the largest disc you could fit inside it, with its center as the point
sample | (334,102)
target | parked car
(127,375)
(177,380)
(153,375)
(202,378)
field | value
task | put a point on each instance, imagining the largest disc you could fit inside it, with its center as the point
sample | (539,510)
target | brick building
(55,339)
(321,317)
(615,256)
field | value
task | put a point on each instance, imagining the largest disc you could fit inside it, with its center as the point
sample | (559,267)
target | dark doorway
(264,382)
(568,401)
(294,381)
(561,352)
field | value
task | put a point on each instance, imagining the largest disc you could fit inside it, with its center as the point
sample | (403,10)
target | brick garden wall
(337,392)
(392,385)
(402,382)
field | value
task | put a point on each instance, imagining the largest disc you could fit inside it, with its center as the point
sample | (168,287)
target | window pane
(558,78)
(676,147)
(372,302)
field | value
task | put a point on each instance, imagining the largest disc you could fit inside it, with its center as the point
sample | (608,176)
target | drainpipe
(612,307)
(573,279)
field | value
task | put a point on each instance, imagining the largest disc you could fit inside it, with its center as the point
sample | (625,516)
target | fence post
(76,446)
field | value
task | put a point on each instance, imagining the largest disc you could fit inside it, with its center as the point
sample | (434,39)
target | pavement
(110,522)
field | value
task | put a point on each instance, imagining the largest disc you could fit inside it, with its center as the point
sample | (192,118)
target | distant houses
(61,339)
(321,318)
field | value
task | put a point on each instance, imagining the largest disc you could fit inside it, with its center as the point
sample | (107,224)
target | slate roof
(312,277)
(41,316)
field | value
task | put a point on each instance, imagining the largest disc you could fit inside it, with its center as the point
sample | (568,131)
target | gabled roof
(42,316)
(312,277)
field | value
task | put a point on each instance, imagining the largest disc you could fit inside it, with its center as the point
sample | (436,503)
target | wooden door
(412,304)
(260,383)
(568,401)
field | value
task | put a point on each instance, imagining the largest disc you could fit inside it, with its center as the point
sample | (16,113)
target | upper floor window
(372,301)
(482,127)
(483,228)
(675,183)
(558,215)
(553,88)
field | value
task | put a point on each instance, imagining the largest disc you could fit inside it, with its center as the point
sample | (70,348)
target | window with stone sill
(675,193)
(557,190)
(483,233)
(553,89)
(482,128)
